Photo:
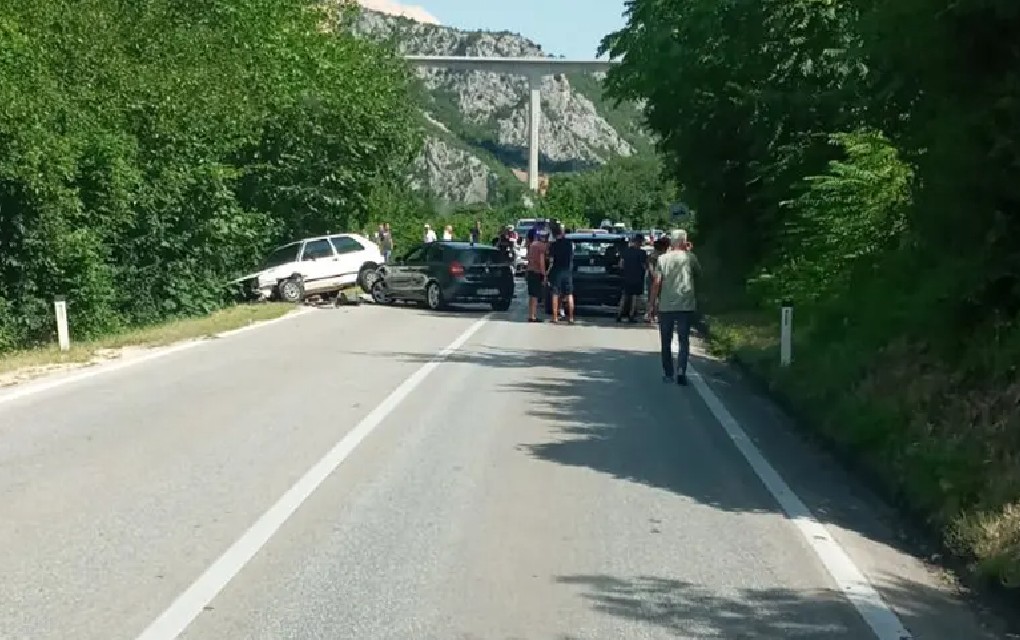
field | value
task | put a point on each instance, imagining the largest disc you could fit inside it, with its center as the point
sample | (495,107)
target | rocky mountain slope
(478,122)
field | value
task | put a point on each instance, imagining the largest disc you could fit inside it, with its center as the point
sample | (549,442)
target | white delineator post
(786,334)
(534,124)
(63,334)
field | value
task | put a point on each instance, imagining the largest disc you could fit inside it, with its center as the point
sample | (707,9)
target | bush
(861,159)
(154,150)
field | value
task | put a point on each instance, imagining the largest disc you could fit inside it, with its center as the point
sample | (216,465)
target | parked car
(596,269)
(650,235)
(520,258)
(441,273)
(526,224)
(314,266)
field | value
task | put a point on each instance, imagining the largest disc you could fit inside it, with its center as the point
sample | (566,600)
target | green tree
(154,149)
(861,156)
(629,189)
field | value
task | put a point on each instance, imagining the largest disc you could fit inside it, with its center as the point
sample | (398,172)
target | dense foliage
(861,158)
(150,150)
(631,190)
(407,211)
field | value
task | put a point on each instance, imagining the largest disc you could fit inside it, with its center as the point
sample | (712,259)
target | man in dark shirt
(561,281)
(506,245)
(633,264)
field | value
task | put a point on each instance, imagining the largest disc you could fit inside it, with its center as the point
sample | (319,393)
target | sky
(571,28)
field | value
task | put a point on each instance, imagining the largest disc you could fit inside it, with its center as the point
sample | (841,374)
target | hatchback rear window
(480,255)
(608,251)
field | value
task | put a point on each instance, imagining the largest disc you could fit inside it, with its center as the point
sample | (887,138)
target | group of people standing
(550,263)
(474,234)
(384,236)
(668,275)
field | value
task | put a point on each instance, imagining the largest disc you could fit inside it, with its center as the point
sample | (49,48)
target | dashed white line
(179,615)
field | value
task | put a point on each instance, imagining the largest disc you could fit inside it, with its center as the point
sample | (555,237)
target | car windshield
(281,256)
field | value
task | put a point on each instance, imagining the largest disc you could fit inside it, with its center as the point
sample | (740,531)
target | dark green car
(438,274)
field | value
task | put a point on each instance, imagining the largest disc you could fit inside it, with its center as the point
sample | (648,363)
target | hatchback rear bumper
(478,292)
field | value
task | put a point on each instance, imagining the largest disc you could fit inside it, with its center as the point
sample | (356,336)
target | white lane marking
(31,388)
(180,614)
(851,580)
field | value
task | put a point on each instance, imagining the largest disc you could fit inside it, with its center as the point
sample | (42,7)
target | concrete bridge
(534,69)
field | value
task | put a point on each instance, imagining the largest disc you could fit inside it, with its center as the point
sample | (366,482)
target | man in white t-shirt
(674,300)
(430,234)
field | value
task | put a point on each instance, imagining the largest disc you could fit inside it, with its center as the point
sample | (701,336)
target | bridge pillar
(534,124)
(534,68)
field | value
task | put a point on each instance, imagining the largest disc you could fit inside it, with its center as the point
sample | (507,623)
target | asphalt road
(540,482)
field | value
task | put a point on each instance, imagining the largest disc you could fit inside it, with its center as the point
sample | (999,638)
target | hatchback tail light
(456,269)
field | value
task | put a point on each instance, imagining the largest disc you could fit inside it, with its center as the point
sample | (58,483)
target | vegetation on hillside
(624,117)
(861,159)
(152,150)
(408,211)
(631,190)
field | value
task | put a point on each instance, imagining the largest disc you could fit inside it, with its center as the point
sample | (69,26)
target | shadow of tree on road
(608,411)
(688,610)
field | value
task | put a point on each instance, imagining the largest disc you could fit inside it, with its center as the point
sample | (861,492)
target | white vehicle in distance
(613,227)
(320,265)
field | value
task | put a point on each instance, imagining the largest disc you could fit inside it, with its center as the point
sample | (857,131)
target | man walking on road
(673,299)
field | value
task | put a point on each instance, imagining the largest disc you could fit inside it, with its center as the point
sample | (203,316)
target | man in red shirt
(535,276)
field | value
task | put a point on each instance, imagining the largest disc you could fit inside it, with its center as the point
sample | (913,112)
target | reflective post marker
(786,334)
(63,334)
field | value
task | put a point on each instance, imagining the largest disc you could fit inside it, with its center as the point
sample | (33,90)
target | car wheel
(502,305)
(379,293)
(367,277)
(291,290)
(434,297)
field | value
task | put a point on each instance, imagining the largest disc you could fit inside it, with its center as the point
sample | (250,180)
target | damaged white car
(320,266)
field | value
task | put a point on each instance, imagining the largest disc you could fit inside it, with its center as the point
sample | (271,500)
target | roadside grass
(162,334)
(940,437)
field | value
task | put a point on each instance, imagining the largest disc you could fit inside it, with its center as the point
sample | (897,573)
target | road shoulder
(26,373)
(881,542)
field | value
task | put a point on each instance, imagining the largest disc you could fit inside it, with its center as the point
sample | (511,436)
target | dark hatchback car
(440,273)
(596,269)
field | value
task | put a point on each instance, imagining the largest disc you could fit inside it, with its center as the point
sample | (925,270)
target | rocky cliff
(478,121)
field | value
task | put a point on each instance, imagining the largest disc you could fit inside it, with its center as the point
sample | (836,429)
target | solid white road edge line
(180,614)
(90,371)
(851,581)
